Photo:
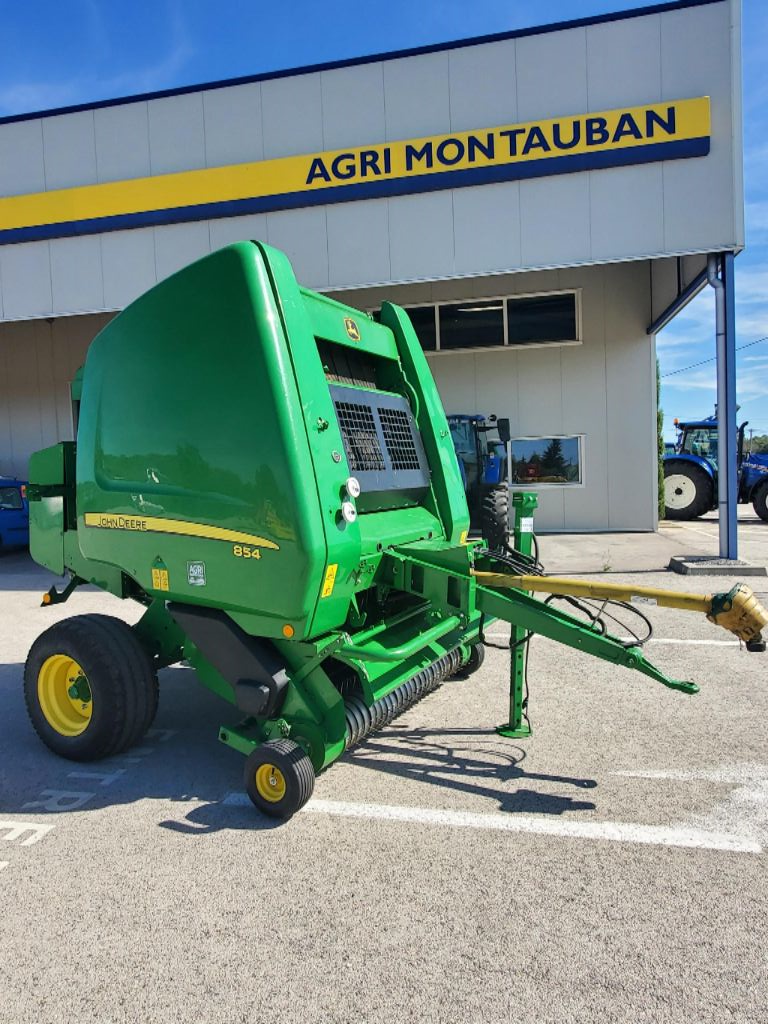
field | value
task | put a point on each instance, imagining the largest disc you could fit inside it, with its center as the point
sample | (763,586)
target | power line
(712,358)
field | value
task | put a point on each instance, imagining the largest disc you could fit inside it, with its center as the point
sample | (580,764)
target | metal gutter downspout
(726,422)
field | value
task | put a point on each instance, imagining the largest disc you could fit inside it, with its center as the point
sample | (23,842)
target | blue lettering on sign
(626,126)
(318,170)
(536,140)
(574,140)
(413,153)
(344,166)
(652,119)
(597,131)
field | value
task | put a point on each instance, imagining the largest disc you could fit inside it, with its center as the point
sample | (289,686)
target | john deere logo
(352,329)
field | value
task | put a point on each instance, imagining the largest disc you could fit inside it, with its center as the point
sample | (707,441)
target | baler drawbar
(270,473)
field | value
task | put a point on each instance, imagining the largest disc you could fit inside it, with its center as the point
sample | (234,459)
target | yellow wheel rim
(270,783)
(64,695)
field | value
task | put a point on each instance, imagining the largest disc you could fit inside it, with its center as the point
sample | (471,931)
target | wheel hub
(64,695)
(679,491)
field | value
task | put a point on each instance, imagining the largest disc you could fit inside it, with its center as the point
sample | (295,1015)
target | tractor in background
(481,449)
(690,472)
(14,514)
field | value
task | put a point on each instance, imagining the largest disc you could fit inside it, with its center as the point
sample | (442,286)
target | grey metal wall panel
(421,236)
(128,265)
(628,202)
(25,272)
(358,242)
(22,166)
(353,106)
(69,146)
(178,245)
(487,228)
(233,132)
(238,229)
(417,96)
(292,115)
(122,142)
(624,63)
(176,133)
(303,236)
(483,86)
(630,389)
(76,275)
(554,220)
(552,74)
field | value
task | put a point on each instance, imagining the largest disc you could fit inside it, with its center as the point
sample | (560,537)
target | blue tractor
(481,450)
(14,514)
(690,472)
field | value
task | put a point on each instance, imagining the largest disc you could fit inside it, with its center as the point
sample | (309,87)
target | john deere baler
(271,474)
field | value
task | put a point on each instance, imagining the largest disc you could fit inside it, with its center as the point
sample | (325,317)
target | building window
(424,320)
(541,318)
(542,461)
(471,324)
(510,321)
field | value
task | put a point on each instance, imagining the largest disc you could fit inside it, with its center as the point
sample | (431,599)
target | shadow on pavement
(418,754)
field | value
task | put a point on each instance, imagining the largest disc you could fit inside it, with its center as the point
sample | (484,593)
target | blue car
(14,514)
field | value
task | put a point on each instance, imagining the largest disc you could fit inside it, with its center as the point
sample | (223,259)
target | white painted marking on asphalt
(59,800)
(745,809)
(610,831)
(739,774)
(4,864)
(16,829)
(107,778)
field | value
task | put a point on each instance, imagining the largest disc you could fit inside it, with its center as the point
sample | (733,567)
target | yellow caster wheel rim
(64,695)
(270,783)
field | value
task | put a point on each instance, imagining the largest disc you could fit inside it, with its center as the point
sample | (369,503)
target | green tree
(552,461)
(759,444)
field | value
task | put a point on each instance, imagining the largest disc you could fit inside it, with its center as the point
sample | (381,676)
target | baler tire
(760,502)
(119,677)
(279,778)
(494,516)
(702,490)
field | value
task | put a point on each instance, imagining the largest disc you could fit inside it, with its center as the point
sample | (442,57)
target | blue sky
(57,53)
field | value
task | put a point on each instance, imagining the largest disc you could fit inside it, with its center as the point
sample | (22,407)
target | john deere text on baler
(271,474)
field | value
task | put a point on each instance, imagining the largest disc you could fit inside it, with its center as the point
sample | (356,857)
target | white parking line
(610,831)
(4,864)
(16,829)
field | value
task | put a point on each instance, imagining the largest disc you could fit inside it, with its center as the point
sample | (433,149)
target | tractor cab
(698,438)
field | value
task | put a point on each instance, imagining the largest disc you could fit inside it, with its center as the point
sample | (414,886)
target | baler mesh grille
(398,438)
(361,441)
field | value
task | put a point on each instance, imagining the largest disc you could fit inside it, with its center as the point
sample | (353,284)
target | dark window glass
(472,324)
(10,497)
(423,320)
(541,318)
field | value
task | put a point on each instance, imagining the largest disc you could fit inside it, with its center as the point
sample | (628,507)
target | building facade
(535,199)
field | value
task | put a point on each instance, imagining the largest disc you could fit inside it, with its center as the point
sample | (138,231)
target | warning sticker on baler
(330,580)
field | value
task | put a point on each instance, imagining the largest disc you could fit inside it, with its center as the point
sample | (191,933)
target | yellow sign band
(151,524)
(657,131)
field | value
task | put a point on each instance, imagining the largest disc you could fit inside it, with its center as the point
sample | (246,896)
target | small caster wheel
(476,659)
(279,778)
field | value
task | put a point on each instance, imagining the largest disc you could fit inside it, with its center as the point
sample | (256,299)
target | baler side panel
(193,460)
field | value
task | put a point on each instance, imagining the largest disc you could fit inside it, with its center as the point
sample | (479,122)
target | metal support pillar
(720,276)
(517,727)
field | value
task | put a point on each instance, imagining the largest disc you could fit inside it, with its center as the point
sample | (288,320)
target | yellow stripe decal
(657,131)
(150,524)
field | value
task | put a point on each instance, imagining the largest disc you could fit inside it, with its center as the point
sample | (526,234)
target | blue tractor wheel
(760,501)
(688,490)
